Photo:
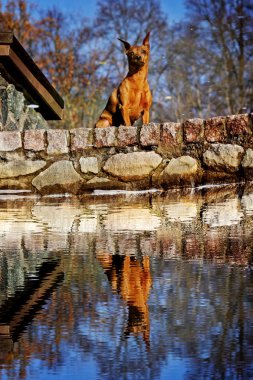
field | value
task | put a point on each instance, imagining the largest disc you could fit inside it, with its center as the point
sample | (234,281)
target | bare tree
(227,27)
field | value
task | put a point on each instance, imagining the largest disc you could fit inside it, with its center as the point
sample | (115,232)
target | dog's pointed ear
(126,44)
(146,39)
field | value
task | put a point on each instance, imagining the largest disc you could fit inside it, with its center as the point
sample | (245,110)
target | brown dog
(132,99)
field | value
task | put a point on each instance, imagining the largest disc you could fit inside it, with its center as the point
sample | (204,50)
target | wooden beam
(22,306)
(18,68)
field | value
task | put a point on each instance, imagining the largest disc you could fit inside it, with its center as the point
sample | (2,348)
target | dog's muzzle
(137,60)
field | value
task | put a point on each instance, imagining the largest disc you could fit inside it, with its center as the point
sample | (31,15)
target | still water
(133,286)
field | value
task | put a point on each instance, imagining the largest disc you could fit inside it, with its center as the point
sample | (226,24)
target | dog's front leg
(145,117)
(123,98)
(125,115)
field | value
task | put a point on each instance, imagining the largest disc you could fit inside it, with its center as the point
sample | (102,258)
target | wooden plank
(38,295)
(18,310)
(4,50)
(47,97)
(6,38)
(4,329)
(22,71)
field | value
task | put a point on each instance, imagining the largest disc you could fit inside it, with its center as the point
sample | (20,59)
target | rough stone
(89,165)
(10,141)
(15,101)
(101,183)
(98,180)
(223,157)
(215,130)
(105,137)
(81,138)
(34,140)
(171,134)
(150,134)
(11,123)
(238,126)
(20,168)
(193,130)
(132,166)
(3,82)
(247,163)
(127,136)
(57,141)
(3,107)
(41,122)
(181,170)
(60,177)
(30,121)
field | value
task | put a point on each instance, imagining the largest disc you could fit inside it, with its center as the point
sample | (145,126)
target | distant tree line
(200,67)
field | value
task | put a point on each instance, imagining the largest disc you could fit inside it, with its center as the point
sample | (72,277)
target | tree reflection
(137,301)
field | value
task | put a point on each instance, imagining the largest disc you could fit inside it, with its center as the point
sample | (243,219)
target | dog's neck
(140,72)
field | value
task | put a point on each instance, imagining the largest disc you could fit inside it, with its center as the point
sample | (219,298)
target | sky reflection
(167,293)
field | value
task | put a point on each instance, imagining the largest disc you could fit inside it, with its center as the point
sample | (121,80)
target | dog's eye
(144,52)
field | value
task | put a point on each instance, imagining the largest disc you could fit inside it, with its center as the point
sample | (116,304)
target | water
(147,286)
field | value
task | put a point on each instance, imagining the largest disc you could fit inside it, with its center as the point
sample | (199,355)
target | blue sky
(173,8)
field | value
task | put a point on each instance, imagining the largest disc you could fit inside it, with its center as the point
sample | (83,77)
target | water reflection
(130,278)
(153,285)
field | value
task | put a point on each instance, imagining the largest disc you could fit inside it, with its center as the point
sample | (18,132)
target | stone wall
(164,155)
(15,110)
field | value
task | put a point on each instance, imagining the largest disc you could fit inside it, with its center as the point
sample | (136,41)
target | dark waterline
(148,287)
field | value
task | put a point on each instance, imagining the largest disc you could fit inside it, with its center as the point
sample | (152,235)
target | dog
(132,99)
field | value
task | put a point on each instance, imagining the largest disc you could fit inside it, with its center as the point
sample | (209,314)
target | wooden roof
(18,68)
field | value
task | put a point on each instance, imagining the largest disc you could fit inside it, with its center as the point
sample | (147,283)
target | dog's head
(137,55)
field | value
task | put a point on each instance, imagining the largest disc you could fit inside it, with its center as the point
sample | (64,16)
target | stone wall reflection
(215,226)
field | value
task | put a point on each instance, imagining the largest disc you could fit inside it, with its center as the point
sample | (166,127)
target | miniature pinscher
(132,99)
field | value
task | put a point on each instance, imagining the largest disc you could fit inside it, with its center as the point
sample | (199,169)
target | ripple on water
(127,286)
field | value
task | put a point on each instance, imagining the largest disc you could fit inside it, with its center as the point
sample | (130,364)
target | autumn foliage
(200,66)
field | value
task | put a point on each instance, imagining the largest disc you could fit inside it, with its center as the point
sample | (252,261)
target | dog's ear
(126,44)
(146,40)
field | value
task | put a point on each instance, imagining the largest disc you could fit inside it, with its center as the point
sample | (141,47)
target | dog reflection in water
(130,278)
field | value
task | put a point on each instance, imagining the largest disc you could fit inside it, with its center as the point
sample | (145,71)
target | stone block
(10,141)
(20,168)
(132,166)
(3,106)
(89,165)
(223,157)
(102,183)
(238,126)
(127,136)
(215,130)
(60,177)
(105,137)
(247,163)
(57,141)
(171,134)
(150,134)
(181,171)
(33,120)
(34,140)
(81,138)
(193,130)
